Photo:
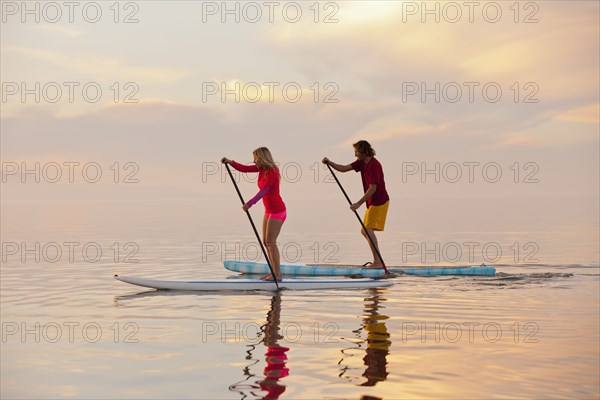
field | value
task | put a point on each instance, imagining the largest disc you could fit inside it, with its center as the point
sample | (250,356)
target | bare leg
(264,240)
(264,228)
(377,263)
(273,228)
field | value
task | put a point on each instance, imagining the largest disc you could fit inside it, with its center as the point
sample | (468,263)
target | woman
(275,211)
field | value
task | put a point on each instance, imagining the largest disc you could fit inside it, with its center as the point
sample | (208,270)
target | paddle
(359,219)
(253,227)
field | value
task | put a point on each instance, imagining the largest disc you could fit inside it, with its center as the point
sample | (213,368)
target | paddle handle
(253,226)
(359,219)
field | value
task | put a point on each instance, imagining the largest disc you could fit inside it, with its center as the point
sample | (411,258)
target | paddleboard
(247,267)
(476,270)
(255,284)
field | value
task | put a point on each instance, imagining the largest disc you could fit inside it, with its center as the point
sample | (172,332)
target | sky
(494,99)
(114,116)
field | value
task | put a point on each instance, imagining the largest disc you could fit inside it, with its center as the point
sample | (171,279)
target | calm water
(70,330)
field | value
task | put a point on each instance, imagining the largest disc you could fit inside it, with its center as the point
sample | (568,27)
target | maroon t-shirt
(372,173)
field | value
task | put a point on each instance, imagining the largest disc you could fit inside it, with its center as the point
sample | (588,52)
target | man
(375,196)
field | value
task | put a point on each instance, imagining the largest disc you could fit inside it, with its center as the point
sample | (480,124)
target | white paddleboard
(256,284)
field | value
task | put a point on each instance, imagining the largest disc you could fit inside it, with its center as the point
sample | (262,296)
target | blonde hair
(265,159)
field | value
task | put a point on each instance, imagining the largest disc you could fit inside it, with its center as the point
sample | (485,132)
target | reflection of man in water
(378,343)
(275,356)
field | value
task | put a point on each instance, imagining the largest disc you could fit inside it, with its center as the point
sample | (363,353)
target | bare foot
(269,278)
(374,266)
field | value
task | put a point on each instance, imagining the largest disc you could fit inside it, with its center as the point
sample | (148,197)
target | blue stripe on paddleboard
(248,267)
(479,270)
(252,282)
(273,282)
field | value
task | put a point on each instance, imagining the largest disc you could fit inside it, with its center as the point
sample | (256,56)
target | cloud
(97,68)
(589,114)
(175,132)
(61,30)
(543,70)
(173,143)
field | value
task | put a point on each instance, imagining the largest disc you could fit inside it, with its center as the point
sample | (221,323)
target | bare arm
(337,167)
(370,191)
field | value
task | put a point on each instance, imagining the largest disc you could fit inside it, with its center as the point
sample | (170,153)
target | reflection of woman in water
(275,358)
(276,355)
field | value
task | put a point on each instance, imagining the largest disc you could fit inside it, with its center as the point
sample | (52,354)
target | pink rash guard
(268,183)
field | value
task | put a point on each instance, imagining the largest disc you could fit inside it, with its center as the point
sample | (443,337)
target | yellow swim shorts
(375,216)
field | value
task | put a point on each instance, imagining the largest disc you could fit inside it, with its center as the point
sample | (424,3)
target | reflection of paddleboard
(247,267)
(255,284)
